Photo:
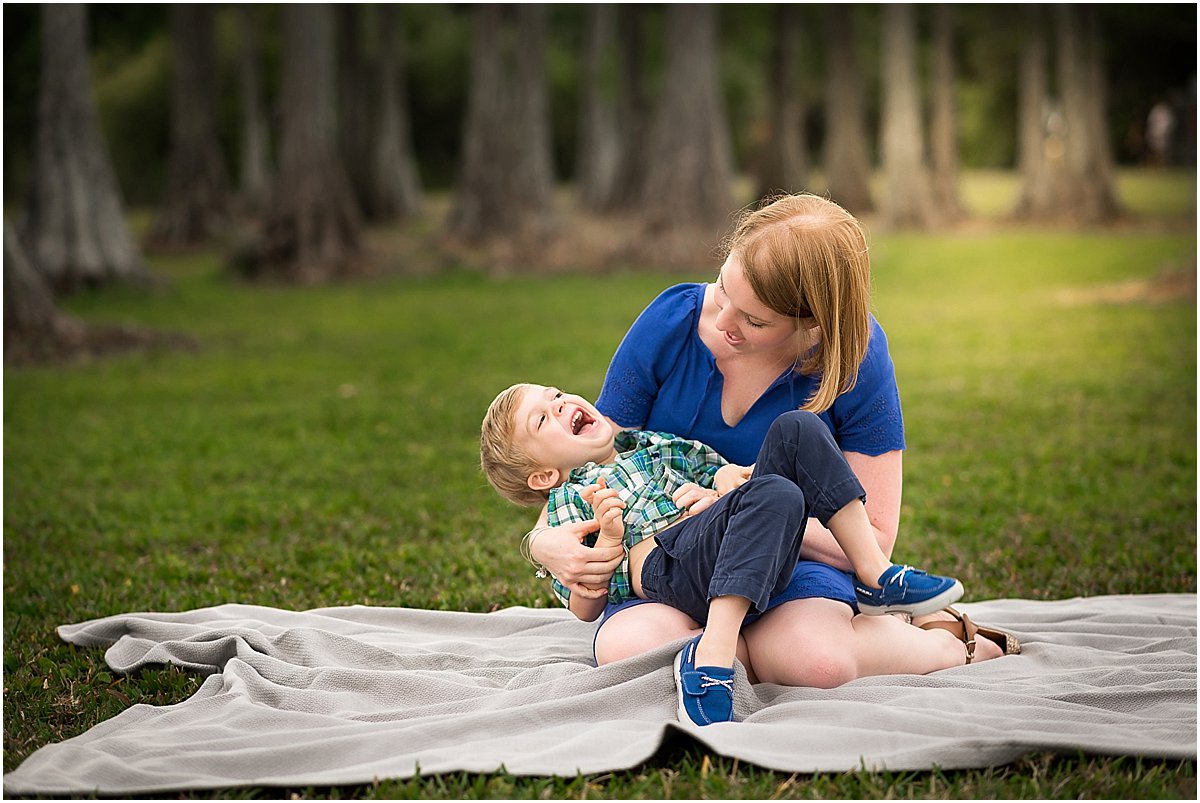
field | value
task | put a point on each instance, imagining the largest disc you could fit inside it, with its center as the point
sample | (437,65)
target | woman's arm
(882,478)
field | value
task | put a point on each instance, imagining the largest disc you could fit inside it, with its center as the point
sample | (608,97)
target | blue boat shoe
(907,590)
(706,692)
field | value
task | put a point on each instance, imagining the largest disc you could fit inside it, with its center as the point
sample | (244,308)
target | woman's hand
(584,570)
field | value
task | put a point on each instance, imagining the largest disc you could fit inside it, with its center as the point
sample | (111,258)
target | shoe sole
(948,597)
(680,711)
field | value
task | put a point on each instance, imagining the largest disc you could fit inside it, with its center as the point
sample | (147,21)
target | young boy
(539,445)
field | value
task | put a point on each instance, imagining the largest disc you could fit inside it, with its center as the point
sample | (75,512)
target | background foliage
(1150,49)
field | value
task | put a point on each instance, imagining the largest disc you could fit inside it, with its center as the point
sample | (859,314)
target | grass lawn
(320,448)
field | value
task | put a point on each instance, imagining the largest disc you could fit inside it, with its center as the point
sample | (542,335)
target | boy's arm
(585,609)
(599,504)
(607,507)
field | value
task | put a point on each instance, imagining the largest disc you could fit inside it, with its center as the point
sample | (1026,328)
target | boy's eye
(541,421)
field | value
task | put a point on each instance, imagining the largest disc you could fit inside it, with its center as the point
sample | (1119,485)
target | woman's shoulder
(868,417)
(680,301)
(672,313)
(878,356)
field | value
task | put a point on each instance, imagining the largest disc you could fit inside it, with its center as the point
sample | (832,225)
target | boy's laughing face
(561,432)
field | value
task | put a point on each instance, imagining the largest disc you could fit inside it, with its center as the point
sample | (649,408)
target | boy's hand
(607,506)
(731,476)
(692,498)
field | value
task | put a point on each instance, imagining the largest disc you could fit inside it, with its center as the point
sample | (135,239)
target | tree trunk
(30,314)
(506,186)
(943,128)
(907,198)
(633,110)
(193,208)
(847,160)
(1070,176)
(395,187)
(255,165)
(596,159)
(354,91)
(1085,96)
(1040,153)
(311,231)
(75,227)
(784,165)
(689,178)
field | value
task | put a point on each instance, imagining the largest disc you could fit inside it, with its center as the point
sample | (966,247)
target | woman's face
(747,324)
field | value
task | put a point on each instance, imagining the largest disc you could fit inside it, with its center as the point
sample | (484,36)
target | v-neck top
(663,377)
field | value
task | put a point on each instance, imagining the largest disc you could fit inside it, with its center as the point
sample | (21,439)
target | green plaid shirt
(650,467)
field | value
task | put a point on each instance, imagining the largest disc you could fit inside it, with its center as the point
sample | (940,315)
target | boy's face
(561,431)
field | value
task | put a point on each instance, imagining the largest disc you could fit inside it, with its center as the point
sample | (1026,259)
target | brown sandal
(966,630)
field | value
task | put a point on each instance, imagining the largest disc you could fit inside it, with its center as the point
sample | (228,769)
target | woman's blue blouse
(664,378)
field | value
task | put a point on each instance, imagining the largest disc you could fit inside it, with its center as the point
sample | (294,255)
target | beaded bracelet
(527,551)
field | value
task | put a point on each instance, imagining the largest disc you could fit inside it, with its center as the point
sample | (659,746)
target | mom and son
(738,479)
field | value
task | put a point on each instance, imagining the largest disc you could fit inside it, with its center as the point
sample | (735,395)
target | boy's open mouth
(580,421)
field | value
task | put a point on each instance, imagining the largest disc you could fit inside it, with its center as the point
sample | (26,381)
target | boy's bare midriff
(637,556)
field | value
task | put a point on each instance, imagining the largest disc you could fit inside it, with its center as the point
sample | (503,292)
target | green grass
(320,448)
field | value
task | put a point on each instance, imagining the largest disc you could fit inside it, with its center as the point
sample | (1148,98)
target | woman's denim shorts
(810,580)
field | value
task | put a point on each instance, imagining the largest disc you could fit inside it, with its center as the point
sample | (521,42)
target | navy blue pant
(748,541)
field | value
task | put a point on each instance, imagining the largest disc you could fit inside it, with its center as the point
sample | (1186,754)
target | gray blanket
(340,696)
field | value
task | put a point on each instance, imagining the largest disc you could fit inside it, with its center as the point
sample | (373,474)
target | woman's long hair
(806,257)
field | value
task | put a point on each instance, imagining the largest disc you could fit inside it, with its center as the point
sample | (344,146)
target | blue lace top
(663,377)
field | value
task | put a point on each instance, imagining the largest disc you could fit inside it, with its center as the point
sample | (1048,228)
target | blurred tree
(1065,150)
(1083,88)
(312,226)
(596,162)
(847,163)
(193,207)
(30,313)
(1038,154)
(784,165)
(689,162)
(75,227)
(943,125)
(394,191)
(507,182)
(633,109)
(355,88)
(907,195)
(255,166)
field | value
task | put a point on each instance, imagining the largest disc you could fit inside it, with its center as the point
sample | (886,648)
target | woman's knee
(640,629)
(816,668)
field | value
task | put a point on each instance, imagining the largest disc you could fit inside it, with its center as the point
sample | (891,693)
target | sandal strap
(968,632)
(962,628)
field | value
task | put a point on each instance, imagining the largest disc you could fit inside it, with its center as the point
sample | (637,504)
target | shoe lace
(900,578)
(706,681)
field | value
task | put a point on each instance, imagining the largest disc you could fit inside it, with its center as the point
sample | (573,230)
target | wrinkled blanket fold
(338,696)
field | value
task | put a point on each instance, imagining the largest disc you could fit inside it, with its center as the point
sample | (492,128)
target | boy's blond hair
(807,258)
(505,464)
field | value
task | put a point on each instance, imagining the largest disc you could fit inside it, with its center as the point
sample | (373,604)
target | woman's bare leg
(641,628)
(821,643)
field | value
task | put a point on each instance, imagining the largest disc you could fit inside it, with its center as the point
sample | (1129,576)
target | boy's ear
(544,479)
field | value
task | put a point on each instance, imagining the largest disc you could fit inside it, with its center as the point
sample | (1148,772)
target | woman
(786,325)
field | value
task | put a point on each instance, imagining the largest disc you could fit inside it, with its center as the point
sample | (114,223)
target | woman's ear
(544,479)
